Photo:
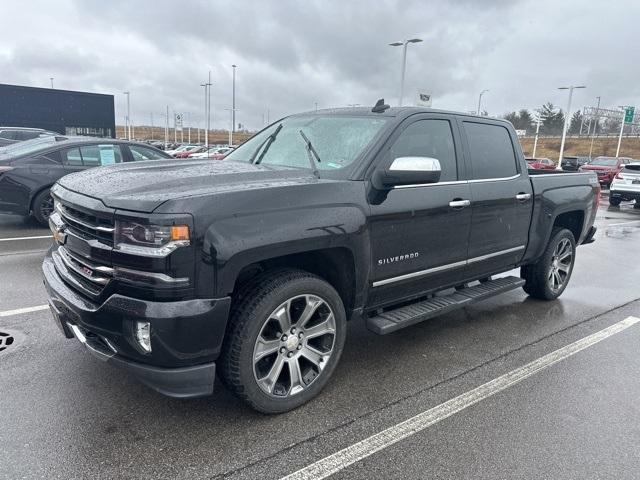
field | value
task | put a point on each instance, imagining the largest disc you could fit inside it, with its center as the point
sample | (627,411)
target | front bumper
(186,336)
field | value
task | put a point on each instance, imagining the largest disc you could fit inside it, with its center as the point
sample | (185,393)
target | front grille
(85,224)
(83,275)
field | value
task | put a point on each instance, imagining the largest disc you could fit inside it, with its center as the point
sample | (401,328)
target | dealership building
(63,111)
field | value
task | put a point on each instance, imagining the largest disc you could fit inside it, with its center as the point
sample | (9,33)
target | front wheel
(43,207)
(547,278)
(286,334)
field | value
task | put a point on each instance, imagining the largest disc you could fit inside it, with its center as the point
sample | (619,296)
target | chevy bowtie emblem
(59,236)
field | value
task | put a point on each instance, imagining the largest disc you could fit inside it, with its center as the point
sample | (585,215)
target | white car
(626,185)
(182,148)
(211,151)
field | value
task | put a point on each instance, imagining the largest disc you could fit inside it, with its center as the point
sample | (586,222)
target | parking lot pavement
(66,415)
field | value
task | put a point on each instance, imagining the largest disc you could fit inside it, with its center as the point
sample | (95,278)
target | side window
(100,155)
(144,153)
(429,138)
(72,157)
(27,135)
(8,134)
(492,154)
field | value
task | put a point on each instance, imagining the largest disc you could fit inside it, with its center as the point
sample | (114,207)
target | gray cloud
(292,54)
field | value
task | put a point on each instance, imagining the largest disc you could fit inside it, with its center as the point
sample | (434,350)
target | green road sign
(628,114)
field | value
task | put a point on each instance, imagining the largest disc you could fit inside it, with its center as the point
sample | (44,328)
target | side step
(401,317)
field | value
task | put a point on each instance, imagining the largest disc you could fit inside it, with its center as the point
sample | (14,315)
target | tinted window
(92,155)
(27,135)
(72,157)
(492,154)
(429,138)
(144,153)
(8,134)
(605,162)
(100,155)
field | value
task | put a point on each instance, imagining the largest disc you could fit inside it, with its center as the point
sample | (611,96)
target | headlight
(150,240)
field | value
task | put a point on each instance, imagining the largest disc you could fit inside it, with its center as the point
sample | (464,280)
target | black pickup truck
(250,267)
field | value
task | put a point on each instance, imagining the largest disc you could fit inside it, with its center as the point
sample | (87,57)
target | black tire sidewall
(546,262)
(307,284)
(37,206)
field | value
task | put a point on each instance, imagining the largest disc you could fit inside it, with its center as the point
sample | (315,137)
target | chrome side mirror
(408,171)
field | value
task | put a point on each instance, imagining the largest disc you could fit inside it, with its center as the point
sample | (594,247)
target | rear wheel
(286,335)
(548,278)
(42,207)
(614,202)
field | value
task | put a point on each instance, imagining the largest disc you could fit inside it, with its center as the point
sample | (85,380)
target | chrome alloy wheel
(294,345)
(561,263)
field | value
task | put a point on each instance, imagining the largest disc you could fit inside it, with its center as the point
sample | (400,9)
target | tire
(42,207)
(614,202)
(547,278)
(297,366)
(637,204)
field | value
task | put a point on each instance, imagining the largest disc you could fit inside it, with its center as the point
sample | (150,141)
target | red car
(606,168)
(188,153)
(541,163)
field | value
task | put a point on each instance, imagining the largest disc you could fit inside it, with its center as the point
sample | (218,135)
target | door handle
(459,203)
(522,197)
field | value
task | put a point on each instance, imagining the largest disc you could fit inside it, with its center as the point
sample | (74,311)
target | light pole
(535,142)
(51,78)
(480,100)
(233,104)
(166,129)
(207,108)
(595,126)
(128,122)
(567,119)
(404,63)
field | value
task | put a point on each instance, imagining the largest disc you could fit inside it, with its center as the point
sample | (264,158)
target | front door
(501,198)
(419,233)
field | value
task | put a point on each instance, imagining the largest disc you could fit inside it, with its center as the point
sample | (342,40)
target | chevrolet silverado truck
(250,268)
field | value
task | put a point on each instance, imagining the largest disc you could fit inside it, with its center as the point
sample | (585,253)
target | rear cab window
(491,150)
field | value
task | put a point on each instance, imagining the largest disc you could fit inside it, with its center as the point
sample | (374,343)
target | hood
(144,186)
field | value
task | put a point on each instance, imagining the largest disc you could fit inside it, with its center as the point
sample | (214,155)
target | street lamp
(128,122)
(567,119)
(595,126)
(51,78)
(233,104)
(404,62)
(207,109)
(480,100)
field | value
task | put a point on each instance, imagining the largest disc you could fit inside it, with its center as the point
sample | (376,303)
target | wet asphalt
(66,415)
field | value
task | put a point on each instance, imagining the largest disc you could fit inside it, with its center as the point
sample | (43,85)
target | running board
(408,315)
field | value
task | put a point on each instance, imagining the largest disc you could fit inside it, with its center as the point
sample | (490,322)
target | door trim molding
(449,266)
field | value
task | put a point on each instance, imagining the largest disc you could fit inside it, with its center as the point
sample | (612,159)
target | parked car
(187,153)
(28,169)
(606,168)
(221,153)
(251,267)
(573,163)
(181,149)
(9,135)
(541,163)
(626,185)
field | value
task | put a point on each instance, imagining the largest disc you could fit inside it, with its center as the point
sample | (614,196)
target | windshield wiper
(267,141)
(311,152)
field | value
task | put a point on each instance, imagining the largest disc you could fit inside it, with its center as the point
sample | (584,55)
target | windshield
(604,162)
(337,139)
(30,146)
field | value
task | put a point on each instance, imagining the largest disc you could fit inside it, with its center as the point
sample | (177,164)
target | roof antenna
(380,106)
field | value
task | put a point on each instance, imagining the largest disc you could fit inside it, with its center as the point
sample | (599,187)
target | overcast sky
(291,54)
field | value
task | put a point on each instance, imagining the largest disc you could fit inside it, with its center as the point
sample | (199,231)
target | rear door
(501,197)
(418,236)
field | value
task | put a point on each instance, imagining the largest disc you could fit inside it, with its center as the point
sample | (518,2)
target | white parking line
(350,455)
(38,237)
(18,311)
(624,224)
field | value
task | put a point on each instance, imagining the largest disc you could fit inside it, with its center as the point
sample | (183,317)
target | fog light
(143,335)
